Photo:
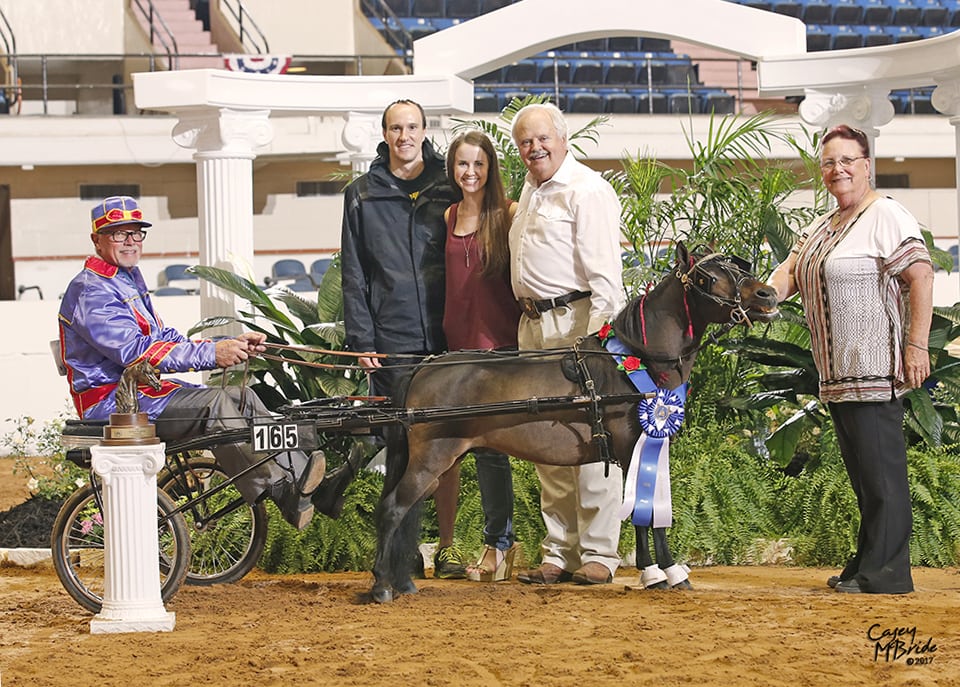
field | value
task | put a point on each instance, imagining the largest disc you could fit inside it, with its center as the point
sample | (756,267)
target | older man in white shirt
(565,270)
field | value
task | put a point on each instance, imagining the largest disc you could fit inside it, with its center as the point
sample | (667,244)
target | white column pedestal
(131,598)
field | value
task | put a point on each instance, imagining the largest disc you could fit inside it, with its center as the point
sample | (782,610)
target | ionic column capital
(864,108)
(224,132)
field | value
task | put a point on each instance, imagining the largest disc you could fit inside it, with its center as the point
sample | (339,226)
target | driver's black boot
(329,496)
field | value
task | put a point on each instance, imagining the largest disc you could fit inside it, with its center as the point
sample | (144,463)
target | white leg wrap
(676,574)
(652,575)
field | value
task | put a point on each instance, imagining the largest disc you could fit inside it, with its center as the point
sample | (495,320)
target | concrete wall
(81,26)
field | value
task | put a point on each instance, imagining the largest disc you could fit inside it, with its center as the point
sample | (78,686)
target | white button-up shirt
(566,237)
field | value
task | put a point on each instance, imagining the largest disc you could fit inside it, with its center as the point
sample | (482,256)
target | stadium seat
(555,71)
(463,8)
(428,8)
(789,8)
(954,250)
(757,4)
(846,12)
(485,101)
(178,277)
(619,103)
(905,12)
(524,71)
(919,102)
(651,103)
(818,38)
(591,45)
(682,73)
(584,102)
(846,37)
(491,5)
(651,72)
(656,45)
(817,12)
(287,269)
(170,291)
(303,283)
(618,72)
(318,268)
(586,72)
(902,34)
(683,102)
(718,102)
(875,35)
(876,12)
(496,76)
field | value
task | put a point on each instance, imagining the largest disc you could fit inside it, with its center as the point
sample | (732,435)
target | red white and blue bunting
(257,64)
(646,493)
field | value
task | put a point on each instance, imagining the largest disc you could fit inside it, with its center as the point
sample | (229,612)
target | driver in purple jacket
(107,322)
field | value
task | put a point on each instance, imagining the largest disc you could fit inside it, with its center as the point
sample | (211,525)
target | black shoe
(312,474)
(833,581)
(295,509)
(850,586)
(328,498)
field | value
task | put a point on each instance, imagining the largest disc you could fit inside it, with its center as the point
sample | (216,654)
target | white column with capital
(946,99)
(361,135)
(225,141)
(131,595)
(863,108)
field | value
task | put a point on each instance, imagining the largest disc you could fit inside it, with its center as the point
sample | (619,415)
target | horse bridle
(702,282)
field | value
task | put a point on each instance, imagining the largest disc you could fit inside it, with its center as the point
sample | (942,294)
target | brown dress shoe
(593,573)
(547,573)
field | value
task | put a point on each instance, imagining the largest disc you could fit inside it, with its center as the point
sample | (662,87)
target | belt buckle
(529,307)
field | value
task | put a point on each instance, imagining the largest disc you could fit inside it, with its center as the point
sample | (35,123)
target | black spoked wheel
(77,544)
(227,534)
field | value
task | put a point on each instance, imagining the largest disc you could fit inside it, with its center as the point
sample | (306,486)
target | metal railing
(9,94)
(393,31)
(252,42)
(159,31)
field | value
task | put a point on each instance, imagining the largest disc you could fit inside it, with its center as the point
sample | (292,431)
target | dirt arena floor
(740,626)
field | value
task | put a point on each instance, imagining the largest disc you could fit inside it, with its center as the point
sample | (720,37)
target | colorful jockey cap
(116,211)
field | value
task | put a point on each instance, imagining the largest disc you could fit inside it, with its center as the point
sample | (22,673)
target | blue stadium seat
(846,12)
(286,269)
(496,76)
(953,9)
(954,250)
(682,73)
(524,71)
(875,35)
(591,45)
(554,71)
(584,102)
(485,101)
(177,275)
(718,102)
(428,8)
(918,102)
(818,38)
(758,4)
(463,8)
(905,12)
(876,12)
(401,8)
(586,72)
(170,291)
(651,102)
(619,72)
(656,45)
(652,72)
(817,12)
(303,283)
(682,102)
(933,13)
(846,37)
(619,102)
(902,34)
(790,8)
(491,5)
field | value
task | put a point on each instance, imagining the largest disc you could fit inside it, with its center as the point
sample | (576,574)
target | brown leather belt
(533,307)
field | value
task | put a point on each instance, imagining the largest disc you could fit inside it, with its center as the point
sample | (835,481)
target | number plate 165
(275,436)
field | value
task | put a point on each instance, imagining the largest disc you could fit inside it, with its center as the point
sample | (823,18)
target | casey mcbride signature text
(898,643)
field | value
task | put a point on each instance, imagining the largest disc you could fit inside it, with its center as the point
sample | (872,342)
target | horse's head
(136,375)
(725,287)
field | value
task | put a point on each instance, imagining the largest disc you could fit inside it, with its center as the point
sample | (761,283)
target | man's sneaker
(448,564)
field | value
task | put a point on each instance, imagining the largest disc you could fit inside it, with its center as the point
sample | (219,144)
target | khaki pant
(579,505)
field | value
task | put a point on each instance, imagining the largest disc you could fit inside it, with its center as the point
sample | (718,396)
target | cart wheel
(227,534)
(78,548)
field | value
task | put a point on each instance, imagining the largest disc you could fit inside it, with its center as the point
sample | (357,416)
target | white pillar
(946,99)
(225,141)
(361,135)
(865,108)
(131,595)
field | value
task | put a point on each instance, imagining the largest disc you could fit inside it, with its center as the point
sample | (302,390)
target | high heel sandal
(502,569)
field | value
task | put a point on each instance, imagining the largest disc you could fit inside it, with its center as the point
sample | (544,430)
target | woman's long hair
(493,226)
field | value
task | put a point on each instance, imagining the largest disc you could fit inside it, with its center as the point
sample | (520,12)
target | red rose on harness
(630,364)
(606,331)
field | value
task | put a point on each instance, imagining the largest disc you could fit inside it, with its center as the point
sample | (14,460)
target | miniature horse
(662,328)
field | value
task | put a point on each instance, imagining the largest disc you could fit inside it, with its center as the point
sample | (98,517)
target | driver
(107,322)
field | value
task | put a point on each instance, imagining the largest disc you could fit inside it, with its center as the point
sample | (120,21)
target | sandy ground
(740,626)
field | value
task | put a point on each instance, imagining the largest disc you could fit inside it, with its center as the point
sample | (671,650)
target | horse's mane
(627,325)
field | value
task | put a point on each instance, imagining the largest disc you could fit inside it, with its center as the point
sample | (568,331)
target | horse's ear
(682,255)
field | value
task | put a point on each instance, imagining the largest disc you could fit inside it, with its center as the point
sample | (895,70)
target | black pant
(875,455)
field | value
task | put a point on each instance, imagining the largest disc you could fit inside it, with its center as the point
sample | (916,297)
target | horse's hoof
(407,587)
(677,576)
(652,577)
(382,595)
(685,584)
(657,585)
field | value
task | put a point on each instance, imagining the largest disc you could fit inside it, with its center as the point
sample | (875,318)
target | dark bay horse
(662,328)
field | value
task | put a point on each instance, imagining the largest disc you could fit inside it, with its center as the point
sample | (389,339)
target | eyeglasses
(137,235)
(843,162)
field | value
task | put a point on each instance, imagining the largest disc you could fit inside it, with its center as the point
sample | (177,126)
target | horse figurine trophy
(662,329)
(128,426)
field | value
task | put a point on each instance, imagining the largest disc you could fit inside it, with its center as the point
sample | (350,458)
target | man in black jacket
(392,257)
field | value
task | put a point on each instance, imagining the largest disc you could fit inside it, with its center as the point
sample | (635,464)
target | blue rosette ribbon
(646,494)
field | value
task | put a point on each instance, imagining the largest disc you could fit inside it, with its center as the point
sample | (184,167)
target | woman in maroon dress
(482,314)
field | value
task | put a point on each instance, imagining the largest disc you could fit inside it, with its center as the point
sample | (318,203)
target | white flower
(32,483)
(80,481)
